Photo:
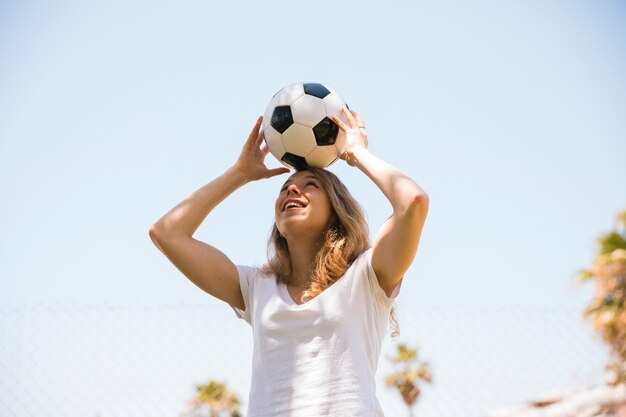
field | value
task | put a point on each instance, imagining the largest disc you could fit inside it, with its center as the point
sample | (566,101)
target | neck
(302,254)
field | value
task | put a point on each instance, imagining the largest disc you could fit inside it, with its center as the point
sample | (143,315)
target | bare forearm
(401,191)
(187,216)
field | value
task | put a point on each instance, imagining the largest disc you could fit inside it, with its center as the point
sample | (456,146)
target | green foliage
(405,354)
(412,371)
(607,311)
(611,241)
(216,397)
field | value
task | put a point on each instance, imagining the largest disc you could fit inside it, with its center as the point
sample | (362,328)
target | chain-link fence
(146,361)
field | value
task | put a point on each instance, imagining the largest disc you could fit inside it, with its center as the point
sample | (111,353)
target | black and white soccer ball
(298,129)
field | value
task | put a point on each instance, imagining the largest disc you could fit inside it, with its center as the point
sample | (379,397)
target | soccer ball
(298,129)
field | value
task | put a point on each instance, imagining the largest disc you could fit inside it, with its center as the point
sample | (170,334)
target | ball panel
(274,142)
(289,94)
(334,160)
(333,104)
(267,116)
(325,132)
(299,140)
(340,143)
(332,90)
(336,95)
(294,161)
(322,156)
(308,110)
(281,118)
(315,89)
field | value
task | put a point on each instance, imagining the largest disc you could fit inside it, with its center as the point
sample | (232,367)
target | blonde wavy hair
(346,238)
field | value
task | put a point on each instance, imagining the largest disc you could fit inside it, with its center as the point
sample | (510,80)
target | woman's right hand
(251,160)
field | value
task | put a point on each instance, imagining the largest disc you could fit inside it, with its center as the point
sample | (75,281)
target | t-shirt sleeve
(379,294)
(246,283)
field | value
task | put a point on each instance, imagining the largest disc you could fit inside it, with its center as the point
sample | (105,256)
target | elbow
(154,232)
(160,236)
(157,237)
(418,204)
(421,198)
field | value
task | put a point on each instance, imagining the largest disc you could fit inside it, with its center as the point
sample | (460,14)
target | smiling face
(302,207)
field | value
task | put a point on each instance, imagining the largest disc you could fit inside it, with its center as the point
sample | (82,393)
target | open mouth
(292,205)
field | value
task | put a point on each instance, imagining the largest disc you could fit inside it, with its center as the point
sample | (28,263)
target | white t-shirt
(316,359)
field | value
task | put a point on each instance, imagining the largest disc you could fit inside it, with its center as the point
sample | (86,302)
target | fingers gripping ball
(298,127)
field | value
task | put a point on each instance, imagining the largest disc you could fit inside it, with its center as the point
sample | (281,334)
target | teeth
(293,204)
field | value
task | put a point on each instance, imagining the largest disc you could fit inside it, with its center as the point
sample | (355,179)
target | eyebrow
(308,176)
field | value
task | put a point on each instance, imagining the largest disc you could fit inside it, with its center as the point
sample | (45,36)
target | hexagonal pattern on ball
(274,142)
(333,104)
(322,156)
(299,140)
(308,110)
(288,95)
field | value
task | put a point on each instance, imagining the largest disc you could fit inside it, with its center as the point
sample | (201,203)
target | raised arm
(206,266)
(397,241)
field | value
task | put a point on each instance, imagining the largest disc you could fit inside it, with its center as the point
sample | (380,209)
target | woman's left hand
(356,136)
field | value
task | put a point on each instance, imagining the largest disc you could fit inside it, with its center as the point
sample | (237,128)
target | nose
(293,188)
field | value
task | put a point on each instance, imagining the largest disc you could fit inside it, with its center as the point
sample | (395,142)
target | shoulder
(364,259)
(250,282)
(362,265)
(252,273)
(254,270)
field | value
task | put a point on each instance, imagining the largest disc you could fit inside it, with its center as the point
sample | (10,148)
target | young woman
(319,309)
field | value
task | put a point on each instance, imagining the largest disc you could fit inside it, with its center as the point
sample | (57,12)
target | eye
(312,183)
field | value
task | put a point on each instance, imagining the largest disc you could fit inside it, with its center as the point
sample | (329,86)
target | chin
(300,229)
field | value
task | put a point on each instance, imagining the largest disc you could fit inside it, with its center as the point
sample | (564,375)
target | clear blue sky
(511,115)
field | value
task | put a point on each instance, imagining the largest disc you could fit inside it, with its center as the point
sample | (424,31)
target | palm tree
(216,398)
(607,311)
(407,378)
